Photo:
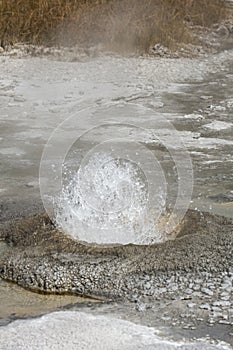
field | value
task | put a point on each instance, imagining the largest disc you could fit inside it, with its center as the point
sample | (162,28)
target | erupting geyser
(107,201)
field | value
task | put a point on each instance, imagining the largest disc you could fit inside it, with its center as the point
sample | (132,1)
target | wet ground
(17,302)
(210,122)
(37,94)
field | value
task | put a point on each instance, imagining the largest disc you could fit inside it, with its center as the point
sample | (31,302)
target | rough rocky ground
(40,257)
(186,283)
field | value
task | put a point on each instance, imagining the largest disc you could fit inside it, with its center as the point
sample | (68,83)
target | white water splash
(107,201)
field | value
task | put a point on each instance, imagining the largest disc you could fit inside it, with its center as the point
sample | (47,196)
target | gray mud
(183,287)
(40,257)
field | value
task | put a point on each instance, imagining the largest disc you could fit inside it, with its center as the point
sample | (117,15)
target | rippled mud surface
(211,127)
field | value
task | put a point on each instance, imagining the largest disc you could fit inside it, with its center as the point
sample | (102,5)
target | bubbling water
(107,201)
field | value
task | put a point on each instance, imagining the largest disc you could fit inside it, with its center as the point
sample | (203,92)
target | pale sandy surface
(77,330)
